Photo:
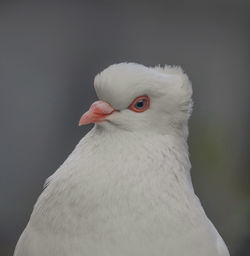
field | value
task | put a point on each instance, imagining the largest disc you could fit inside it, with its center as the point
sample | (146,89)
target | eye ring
(140,104)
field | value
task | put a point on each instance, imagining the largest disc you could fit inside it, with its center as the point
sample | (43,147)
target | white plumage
(126,188)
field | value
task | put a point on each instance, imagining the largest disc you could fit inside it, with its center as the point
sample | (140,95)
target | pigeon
(126,188)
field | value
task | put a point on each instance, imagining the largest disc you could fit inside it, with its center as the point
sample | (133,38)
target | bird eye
(140,104)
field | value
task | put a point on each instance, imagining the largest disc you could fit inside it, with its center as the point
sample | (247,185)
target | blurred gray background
(49,54)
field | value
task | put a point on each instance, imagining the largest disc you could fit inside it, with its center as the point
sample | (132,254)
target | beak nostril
(97,112)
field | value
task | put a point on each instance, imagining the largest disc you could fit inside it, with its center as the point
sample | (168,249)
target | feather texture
(126,189)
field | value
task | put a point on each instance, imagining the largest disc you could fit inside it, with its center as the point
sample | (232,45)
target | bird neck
(167,153)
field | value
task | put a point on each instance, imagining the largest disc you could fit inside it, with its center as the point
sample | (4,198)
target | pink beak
(97,112)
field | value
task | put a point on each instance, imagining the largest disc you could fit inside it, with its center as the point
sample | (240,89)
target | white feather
(126,188)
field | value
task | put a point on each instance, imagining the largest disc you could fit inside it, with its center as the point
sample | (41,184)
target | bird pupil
(140,104)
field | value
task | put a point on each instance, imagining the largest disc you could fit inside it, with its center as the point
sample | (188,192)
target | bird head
(138,98)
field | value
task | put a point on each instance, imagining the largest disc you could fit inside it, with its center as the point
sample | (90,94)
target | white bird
(126,188)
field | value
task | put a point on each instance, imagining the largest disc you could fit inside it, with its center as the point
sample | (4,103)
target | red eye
(140,104)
